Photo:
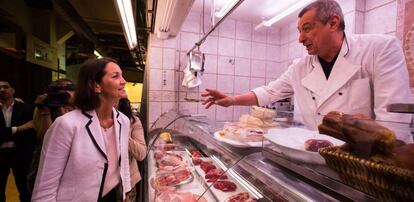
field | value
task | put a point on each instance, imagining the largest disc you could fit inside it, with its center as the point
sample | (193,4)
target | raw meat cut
(206,166)
(240,197)
(314,145)
(225,186)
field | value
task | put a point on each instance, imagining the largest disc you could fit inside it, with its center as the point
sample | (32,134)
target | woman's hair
(325,9)
(91,72)
(124,106)
(61,82)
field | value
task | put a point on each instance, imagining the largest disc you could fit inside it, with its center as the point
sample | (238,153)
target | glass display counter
(188,160)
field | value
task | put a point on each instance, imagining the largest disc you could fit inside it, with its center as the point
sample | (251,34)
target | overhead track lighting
(125,13)
(167,18)
(283,14)
(226,8)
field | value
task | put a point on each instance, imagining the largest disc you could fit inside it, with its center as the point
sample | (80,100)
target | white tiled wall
(239,58)
(377,20)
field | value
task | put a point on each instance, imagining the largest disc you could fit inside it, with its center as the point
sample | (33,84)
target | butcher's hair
(325,9)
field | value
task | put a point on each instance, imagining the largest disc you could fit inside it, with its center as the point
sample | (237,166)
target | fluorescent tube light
(283,14)
(97,54)
(124,9)
(164,29)
(166,18)
(226,8)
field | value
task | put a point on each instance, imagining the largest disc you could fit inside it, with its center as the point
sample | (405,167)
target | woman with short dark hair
(85,152)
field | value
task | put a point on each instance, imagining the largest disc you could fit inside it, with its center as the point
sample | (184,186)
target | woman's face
(112,85)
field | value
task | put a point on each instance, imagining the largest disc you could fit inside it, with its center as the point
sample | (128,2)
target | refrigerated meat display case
(187,161)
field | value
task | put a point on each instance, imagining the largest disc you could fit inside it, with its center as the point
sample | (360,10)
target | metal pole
(214,27)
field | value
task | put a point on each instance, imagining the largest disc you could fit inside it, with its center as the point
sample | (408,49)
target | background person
(85,152)
(351,74)
(60,95)
(137,146)
(17,141)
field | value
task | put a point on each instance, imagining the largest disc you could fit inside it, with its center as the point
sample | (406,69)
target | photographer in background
(57,101)
(17,141)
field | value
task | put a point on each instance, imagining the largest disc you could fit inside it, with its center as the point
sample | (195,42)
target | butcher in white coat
(350,74)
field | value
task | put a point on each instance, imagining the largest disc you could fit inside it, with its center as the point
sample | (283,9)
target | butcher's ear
(334,22)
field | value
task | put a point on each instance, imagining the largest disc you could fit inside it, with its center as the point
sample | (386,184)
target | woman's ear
(96,87)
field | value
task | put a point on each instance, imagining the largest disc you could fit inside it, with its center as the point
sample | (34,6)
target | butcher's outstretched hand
(218,98)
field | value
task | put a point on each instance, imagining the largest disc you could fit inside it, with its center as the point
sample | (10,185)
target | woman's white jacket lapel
(73,163)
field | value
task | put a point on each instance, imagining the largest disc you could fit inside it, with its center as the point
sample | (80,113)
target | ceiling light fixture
(164,29)
(283,14)
(226,8)
(124,10)
(97,54)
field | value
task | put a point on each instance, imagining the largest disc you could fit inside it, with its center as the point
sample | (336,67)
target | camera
(57,96)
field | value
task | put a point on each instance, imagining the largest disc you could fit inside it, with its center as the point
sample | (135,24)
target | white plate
(236,143)
(290,142)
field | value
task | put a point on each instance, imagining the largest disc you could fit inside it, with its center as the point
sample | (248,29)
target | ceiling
(94,25)
(103,21)
(97,27)
(254,11)
(101,17)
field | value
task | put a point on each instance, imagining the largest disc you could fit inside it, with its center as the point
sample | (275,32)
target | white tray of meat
(225,187)
(172,195)
(300,144)
(174,179)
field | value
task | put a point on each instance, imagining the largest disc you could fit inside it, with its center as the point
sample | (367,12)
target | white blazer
(73,161)
(369,73)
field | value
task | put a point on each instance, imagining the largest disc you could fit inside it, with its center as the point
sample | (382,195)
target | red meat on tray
(225,186)
(173,178)
(169,159)
(197,161)
(207,166)
(213,174)
(174,196)
(240,197)
(182,175)
(314,145)
(195,153)
(159,154)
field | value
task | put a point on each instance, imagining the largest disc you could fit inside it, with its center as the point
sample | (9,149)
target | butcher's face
(313,33)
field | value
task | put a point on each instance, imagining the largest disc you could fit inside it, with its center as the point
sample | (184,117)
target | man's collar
(345,47)
(11,104)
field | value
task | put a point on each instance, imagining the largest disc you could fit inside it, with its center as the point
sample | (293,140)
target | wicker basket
(385,182)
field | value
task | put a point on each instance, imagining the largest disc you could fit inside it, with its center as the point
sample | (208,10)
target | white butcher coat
(369,73)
